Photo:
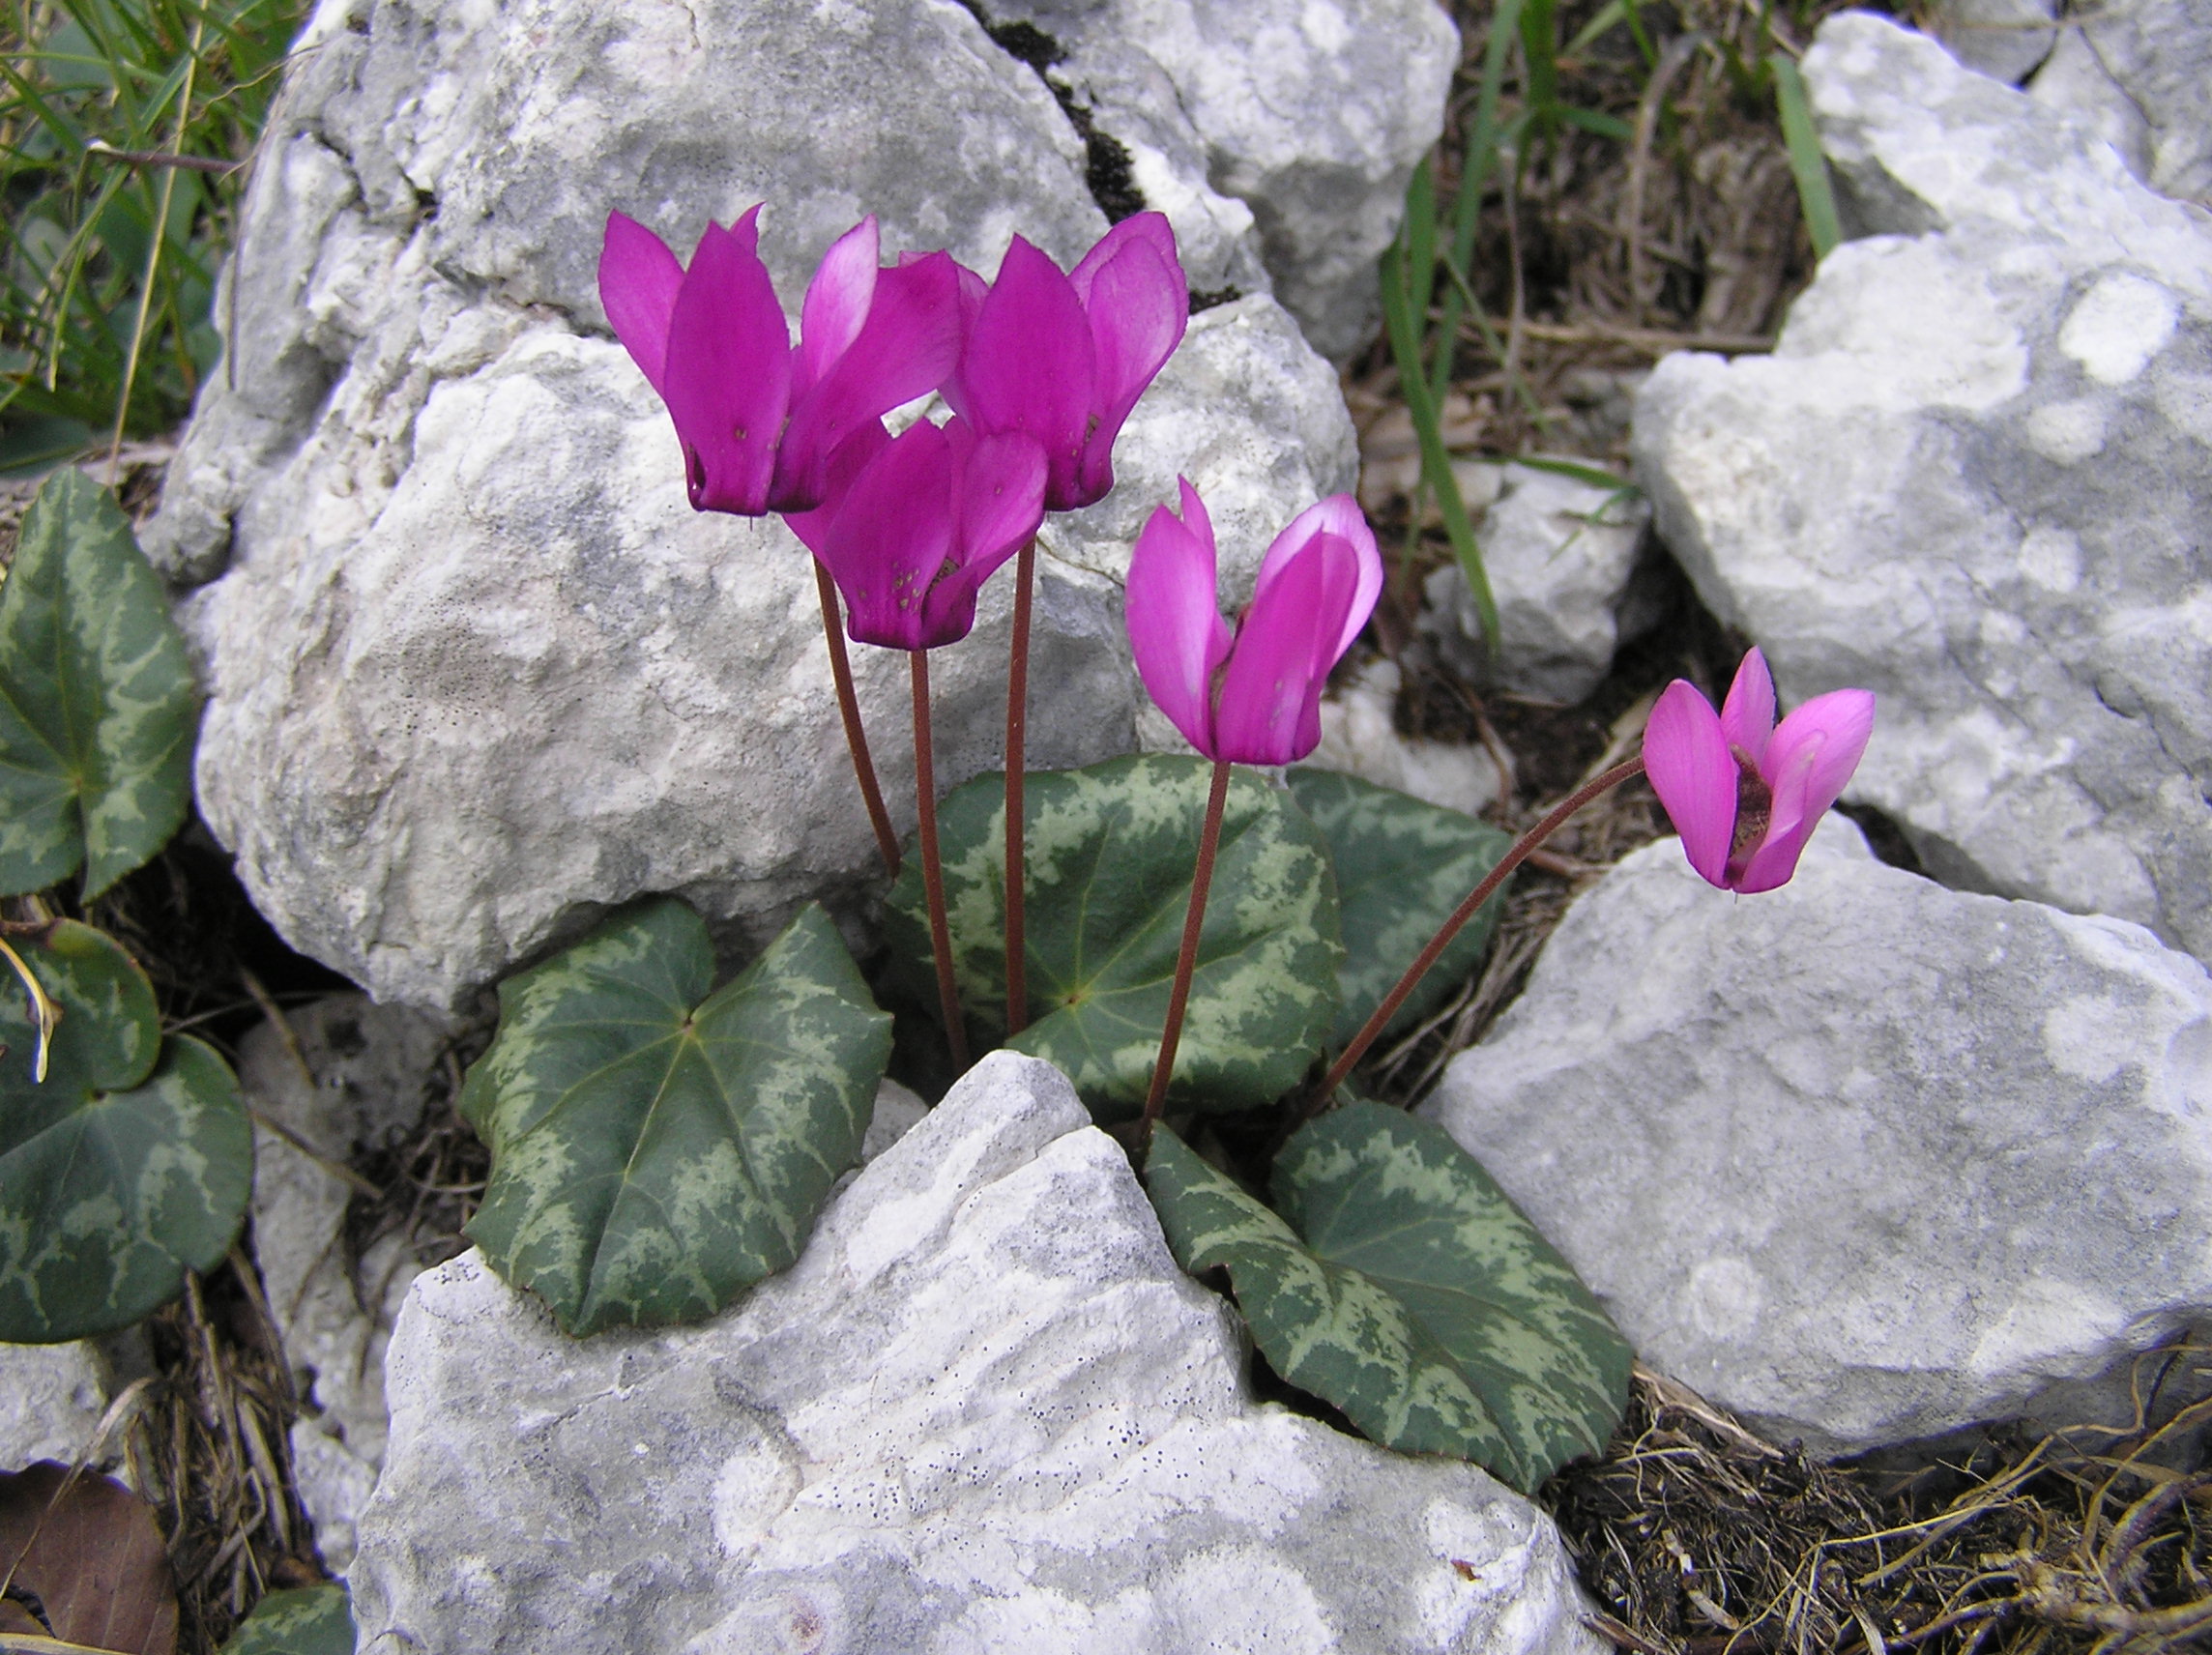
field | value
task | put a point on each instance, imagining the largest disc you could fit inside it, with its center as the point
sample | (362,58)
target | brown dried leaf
(93,1558)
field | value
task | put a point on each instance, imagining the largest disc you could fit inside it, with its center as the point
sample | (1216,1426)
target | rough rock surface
(2004,39)
(359,1081)
(2139,73)
(1310,114)
(1864,1159)
(1971,478)
(984,1412)
(51,1397)
(1558,553)
(1359,737)
(475,670)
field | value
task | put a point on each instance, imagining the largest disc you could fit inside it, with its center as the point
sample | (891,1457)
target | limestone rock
(365,1083)
(1310,114)
(1863,1159)
(2140,72)
(2002,38)
(477,672)
(1359,737)
(1970,478)
(51,1397)
(984,1411)
(1558,552)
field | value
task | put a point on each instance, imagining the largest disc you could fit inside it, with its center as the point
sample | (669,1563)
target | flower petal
(1339,515)
(728,377)
(1808,762)
(973,290)
(1747,715)
(1138,301)
(1029,365)
(836,304)
(891,536)
(909,341)
(1695,776)
(1176,630)
(851,458)
(638,281)
(1002,498)
(1271,694)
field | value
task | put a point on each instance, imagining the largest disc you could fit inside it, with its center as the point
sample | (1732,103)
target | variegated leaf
(1111,850)
(127,1166)
(97,711)
(658,1149)
(1401,1286)
(1402,867)
(305,1620)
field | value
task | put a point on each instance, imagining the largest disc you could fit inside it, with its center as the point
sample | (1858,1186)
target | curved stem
(1187,957)
(1466,910)
(932,871)
(849,710)
(1017,727)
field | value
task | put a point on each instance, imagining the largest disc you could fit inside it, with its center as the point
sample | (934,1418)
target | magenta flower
(1065,357)
(1254,698)
(1745,793)
(759,421)
(916,524)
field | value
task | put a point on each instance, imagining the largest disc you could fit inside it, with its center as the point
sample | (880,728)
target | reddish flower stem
(849,710)
(932,871)
(1187,957)
(1017,730)
(1483,893)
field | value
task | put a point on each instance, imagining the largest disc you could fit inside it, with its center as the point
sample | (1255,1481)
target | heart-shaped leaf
(98,710)
(1111,850)
(1401,1285)
(127,1166)
(1402,866)
(306,1621)
(656,1148)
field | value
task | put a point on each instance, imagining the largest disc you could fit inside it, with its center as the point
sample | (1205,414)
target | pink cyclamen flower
(916,524)
(1253,697)
(759,421)
(1745,793)
(1065,357)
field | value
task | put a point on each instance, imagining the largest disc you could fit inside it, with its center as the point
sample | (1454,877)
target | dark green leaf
(307,1620)
(1402,866)
(656,1148)
(129,1165)
(96,705)
(1401,1286)
(1111,850)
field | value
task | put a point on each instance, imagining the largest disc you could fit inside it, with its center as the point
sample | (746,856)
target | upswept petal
(891,536)
(1746,717)
(1808,762)
(1002,499)
(973,290)
(1176,630)
(849,459)
(1263,708)
(1339,515)
(1029,365)
(1691,770)
(727,379)
(909,341)
(638,282)
(836,303)
(1138,301)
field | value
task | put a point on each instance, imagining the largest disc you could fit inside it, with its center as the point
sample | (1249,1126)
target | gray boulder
(984,1411)
(2004,39)
(2139,73)
(51,1399)
(1863,1159)
(1312,114)
(1558,553)
(476,672)
(1971,477)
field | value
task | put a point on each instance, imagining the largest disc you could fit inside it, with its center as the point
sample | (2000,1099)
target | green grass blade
(1806,162)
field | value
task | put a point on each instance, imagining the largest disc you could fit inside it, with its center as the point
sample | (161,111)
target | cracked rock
(476,671)
(1862,1159)
(51,1397)
(984,1411)
(1971,478)
(1312,114)
(2139,73)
